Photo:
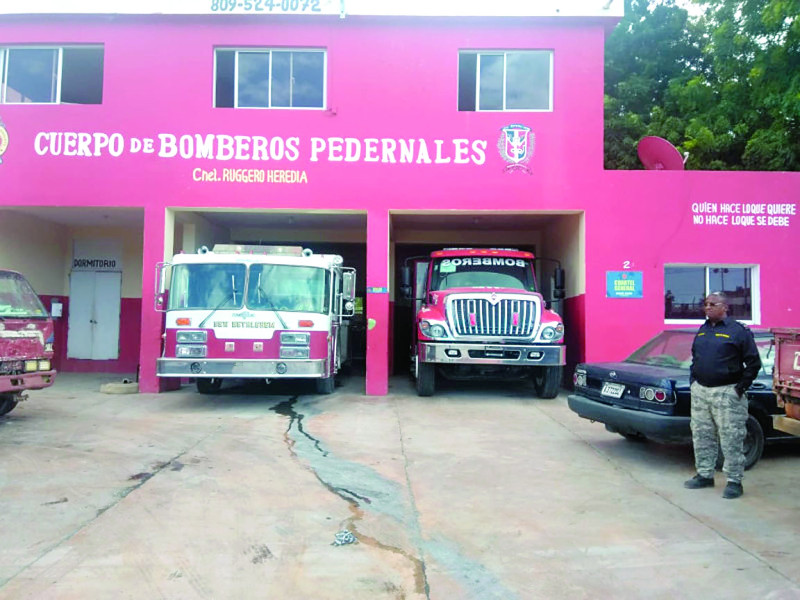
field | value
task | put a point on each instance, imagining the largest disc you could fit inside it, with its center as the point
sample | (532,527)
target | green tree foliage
(724,86)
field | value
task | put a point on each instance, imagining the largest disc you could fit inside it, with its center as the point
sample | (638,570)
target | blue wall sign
(623,284)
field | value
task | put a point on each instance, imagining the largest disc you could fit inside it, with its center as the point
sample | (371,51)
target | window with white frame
(686,286)
(51,75)
(519,80)
(269,78)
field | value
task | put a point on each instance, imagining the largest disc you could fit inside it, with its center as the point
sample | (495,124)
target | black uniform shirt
(725,353)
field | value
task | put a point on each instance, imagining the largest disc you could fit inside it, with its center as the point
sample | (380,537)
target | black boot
(698,481)
(732,490)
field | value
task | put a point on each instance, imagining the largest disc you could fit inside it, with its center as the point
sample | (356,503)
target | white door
(94,313)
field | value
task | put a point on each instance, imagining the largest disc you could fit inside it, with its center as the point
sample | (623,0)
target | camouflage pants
(718,411)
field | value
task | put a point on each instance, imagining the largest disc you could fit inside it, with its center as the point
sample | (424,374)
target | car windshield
(667,349)
(207,286)
(17,298)
(482,272)
(674,349)
(766,349)
(288,288)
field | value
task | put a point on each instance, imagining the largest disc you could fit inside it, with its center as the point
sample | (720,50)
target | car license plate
(615,390)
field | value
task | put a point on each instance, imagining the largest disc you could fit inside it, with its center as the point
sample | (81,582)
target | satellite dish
(658,154)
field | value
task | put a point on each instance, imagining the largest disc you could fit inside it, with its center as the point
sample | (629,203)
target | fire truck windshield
(288,288)
(207,286)
(17,298)
(482,272)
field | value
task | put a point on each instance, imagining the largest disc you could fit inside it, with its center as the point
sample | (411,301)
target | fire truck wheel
(208,385)
(7,403)
(325,385)
(426,379)
(547,381)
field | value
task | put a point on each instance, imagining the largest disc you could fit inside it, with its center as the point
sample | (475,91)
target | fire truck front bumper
(493,354)
(26,381)
(233,368)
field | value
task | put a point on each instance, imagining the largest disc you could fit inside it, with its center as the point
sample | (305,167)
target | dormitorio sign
(224,147)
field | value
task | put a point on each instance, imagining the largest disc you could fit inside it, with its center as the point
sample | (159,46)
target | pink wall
(646,217)
(390,78)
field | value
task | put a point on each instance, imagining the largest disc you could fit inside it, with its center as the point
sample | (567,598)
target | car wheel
(753,444)
(547,381)
(7,403)
(209,385)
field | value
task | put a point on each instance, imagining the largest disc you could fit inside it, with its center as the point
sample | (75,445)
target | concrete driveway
(480,492)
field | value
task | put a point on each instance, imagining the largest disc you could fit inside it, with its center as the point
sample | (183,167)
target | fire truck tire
(208,385)
(7,403)
(325,385)
(547,381)
(426,379)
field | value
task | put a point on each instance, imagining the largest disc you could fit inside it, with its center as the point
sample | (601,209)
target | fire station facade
(127,138)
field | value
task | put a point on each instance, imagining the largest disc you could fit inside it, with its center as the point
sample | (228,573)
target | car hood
(629,372)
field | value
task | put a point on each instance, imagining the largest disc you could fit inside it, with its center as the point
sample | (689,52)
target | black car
(646,396)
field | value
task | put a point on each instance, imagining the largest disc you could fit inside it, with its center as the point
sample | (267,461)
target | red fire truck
(266,312)
(26,341)
(479,314)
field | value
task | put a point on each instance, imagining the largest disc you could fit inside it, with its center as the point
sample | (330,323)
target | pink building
(127,138)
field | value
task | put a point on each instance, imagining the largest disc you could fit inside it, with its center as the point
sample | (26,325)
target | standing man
(725,362)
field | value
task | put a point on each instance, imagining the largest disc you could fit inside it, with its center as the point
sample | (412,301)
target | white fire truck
(248,311)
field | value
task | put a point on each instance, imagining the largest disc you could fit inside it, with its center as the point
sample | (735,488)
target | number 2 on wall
(626,264)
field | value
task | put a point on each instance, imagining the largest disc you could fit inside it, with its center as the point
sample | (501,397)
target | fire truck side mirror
(405,281)
(559,281)
(349,286)
(161,288)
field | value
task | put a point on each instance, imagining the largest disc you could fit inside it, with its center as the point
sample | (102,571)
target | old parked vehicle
(26,341)
(646,396)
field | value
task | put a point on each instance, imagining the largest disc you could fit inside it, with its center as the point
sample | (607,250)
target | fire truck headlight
(196,337)
(295,339)
(438,331)
(432,330)
(551,333)
(44,365)
(293,352)
(31,365)
(190,351)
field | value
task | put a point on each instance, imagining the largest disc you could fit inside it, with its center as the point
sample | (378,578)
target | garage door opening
(556,239)
(302,288)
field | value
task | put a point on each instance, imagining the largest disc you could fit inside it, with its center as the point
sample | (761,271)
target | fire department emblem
(516,147)
(3,140)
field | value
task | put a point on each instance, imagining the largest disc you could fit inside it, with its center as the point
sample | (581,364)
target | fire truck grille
(504,318)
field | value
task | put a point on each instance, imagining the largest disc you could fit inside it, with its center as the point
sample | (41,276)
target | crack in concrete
(423,566)
(351,497)
(120,496)
(351,481)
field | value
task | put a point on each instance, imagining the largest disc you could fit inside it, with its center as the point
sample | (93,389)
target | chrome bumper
(493,354)
(182,367)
